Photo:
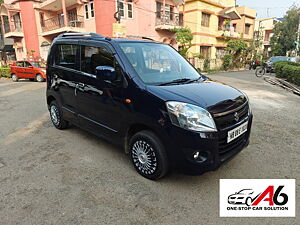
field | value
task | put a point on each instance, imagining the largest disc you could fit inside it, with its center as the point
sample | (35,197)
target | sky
(269,8)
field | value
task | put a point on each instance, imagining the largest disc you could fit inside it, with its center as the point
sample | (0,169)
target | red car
(32,70)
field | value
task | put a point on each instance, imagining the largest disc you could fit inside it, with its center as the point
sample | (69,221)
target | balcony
(168,21)
(13,30)
(56,25)
(228,34)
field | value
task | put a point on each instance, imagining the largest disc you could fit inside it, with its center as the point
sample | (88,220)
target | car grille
(225,147)
(228,120)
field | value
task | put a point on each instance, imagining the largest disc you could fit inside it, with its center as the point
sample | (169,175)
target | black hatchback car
(146,97)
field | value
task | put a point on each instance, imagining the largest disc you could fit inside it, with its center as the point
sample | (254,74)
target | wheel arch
(133,129)
(50,99)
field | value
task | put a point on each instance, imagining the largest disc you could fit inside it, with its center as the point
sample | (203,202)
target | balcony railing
(169,18)
(58,22)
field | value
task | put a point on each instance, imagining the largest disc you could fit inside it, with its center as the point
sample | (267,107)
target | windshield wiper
(177,81)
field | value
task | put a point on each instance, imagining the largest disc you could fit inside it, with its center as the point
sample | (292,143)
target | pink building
(34,24)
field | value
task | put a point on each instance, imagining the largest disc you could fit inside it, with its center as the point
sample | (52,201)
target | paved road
(49,176)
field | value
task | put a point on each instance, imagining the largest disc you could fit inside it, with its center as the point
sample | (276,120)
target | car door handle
(80,87)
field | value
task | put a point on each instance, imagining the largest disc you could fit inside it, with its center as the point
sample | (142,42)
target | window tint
(20,64)
(65,55)
(91,57)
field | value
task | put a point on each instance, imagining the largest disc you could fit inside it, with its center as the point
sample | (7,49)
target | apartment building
(264,32)
(32,25)
(214,23)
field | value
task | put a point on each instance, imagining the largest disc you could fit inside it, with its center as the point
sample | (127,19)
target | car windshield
(158,64)
(245,192)
(278,58)
(38,64)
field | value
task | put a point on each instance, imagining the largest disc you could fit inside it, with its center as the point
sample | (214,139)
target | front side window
(38,64)
(65,55)
(158,63)
(27,64)
(205,20)
(91,57)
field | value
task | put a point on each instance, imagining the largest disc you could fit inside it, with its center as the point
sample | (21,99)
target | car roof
(98,37)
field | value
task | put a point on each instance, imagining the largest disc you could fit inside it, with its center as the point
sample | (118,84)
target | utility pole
(298,39)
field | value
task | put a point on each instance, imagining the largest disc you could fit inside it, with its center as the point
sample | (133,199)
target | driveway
(48,176)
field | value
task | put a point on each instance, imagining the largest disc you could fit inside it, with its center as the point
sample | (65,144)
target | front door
(28,70)
(100,105)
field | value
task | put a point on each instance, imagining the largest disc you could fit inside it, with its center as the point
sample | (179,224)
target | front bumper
(212,146)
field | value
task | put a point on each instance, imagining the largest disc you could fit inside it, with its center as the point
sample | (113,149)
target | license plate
(236,132)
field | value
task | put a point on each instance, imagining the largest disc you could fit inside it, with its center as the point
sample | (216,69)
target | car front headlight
(43,70)
(190,117)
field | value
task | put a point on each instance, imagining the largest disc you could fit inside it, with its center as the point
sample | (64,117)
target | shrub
(289,71)
(4,72)
(206,65)
(227,62)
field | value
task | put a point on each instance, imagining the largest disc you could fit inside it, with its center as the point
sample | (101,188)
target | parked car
(32,70)
(270,63)
(243,197)
(146,97)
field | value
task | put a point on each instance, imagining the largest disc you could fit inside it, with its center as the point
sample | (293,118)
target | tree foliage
(285,33)
(184,37)
(238,50)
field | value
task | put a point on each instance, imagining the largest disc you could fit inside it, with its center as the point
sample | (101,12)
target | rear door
(64,72)
(19,69)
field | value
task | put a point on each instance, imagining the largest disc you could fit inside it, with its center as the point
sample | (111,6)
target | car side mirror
(106,73)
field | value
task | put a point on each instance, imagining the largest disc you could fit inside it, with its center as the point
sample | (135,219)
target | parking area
(48,176)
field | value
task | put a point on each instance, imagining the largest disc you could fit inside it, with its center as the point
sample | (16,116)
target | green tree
(237,48)
(184,37)
(285,33)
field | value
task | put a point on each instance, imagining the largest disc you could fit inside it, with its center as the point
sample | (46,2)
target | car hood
(214,96)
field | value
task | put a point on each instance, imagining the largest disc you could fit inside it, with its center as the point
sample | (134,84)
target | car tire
(14,77)
(39,78)
(248,201)
(56,116)
(148,155)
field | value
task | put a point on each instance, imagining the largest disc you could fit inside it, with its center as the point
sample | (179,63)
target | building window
(42,20)
(92,8)
(129,10)
(247,28)
(158,9)
(220,53)
(121,8)
(205,20)
(205,51)
(86,10)
(234,27)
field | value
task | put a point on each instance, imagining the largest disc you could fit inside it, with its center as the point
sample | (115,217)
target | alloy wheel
(144,157)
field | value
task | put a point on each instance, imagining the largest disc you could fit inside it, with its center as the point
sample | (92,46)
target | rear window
(20,64)
(65,55)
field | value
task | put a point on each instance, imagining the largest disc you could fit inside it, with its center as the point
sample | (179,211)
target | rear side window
(65,55)
(91,57)
(20,64)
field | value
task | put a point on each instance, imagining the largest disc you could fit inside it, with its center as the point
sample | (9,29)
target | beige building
(214,23)
(264,32)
